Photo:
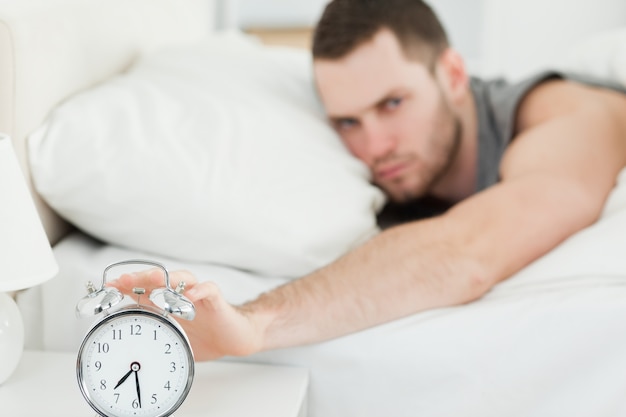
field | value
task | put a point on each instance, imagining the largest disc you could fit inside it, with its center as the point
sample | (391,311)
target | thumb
(206,292)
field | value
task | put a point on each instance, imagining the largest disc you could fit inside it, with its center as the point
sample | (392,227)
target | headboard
(51,49)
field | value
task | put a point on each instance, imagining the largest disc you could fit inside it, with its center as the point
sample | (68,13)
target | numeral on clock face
(135,364)
(135,329)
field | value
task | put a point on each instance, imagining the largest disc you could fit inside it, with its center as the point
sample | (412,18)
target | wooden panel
(296,37)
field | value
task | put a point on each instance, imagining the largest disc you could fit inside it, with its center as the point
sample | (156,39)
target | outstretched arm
(555,179)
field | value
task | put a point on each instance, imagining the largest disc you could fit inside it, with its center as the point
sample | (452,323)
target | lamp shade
(26,258)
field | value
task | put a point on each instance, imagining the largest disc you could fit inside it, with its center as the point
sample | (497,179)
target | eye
(345,124)
(392,103)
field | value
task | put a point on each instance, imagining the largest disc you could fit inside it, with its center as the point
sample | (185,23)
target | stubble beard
(419,184)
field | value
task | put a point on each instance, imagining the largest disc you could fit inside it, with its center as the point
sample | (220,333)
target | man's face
(392,114)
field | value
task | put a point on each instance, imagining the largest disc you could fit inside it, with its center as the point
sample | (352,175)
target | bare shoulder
(571,126)
(558,97)
(570,132)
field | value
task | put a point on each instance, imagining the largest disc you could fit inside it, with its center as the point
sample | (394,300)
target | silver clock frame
(187,312)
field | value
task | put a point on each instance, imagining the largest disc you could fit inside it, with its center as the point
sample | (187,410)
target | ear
(452,76)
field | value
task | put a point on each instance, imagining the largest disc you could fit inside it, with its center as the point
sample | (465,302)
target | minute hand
(137,384)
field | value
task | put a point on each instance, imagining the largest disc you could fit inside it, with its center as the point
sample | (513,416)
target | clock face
(135,363)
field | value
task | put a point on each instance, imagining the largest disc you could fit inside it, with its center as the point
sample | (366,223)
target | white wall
(513,38)
(464,23)
(497,37)
(521,36)
(279,13)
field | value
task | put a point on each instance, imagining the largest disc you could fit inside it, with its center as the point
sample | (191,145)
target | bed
(548,341)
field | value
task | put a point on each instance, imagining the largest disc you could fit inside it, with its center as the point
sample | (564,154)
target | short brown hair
(346,24)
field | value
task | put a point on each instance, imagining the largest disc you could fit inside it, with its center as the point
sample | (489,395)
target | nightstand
(45,384)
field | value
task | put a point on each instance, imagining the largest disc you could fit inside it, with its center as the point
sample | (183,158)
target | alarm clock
(137,360)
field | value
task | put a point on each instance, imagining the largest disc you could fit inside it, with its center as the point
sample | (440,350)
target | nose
(380,139)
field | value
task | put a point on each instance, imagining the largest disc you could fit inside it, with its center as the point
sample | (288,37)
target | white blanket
(549,341)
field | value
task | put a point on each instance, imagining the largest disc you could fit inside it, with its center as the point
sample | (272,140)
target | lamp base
(11,336)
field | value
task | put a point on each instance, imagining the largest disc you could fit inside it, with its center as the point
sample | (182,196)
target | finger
(183,276)
(147,279)
(206,292)
(150,279)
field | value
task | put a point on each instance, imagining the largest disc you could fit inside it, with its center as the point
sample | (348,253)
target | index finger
(151,279)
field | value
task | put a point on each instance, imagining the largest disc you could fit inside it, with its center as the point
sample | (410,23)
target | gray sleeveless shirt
(496,105)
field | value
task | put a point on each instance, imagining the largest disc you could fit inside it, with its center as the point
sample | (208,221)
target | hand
(219,329)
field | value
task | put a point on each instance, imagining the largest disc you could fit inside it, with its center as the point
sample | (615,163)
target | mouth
(391,171)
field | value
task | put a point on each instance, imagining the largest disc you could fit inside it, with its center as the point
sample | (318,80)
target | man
(523,166)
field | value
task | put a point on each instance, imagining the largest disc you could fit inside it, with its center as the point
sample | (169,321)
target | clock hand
(137,385)
(121,381)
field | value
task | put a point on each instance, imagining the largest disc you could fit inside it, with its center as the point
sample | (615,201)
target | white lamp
(26,258)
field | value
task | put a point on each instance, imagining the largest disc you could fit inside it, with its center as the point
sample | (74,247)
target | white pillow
(602,56)
(214,152)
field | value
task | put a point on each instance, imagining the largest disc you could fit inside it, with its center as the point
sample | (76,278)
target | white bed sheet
(550,341)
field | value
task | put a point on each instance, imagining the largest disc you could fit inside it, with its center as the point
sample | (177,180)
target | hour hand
(121,381)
